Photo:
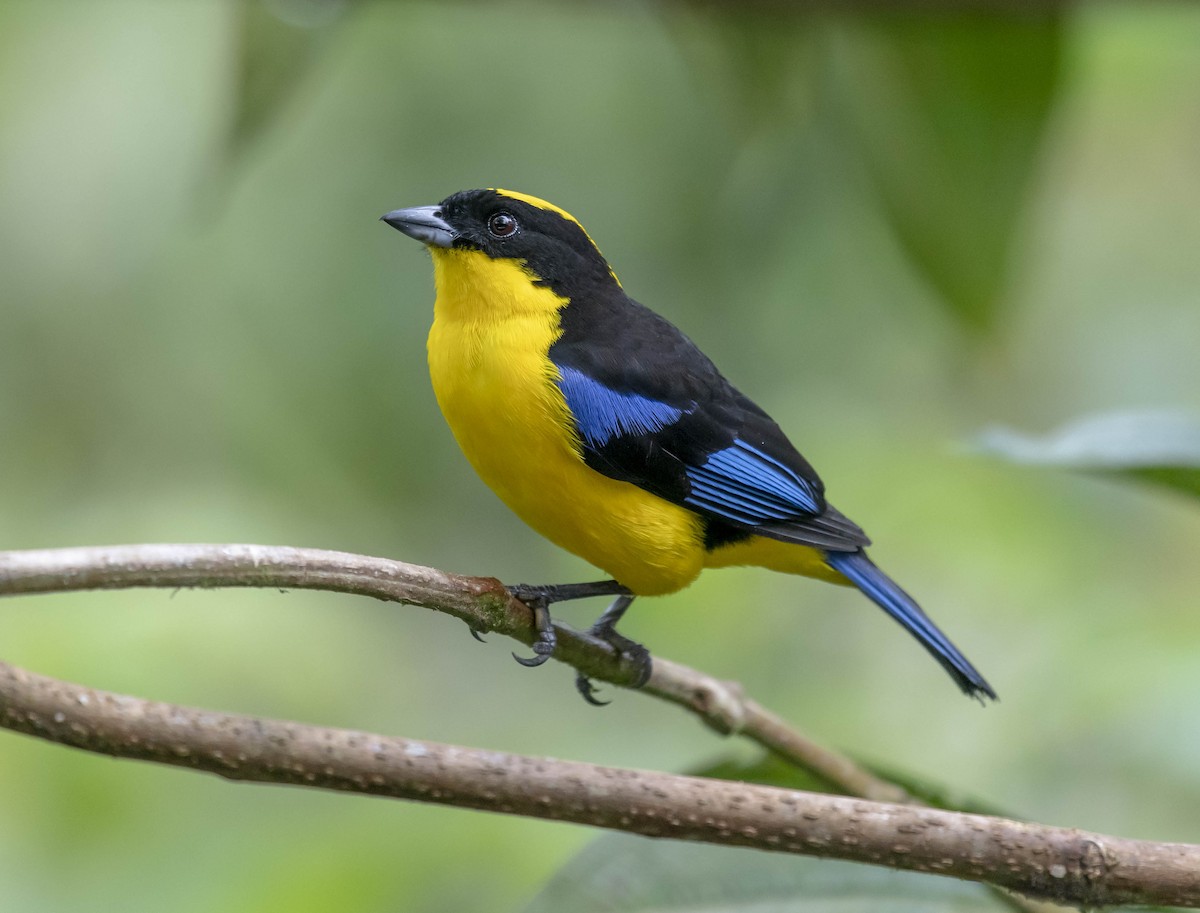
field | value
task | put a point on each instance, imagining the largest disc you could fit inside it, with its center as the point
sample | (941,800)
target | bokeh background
(891,231)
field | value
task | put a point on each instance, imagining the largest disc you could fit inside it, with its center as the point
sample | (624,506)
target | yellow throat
(498,389)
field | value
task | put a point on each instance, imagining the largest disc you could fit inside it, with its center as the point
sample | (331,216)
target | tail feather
(886,593)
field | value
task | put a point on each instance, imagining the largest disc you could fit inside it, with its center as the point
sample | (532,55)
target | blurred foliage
(207,336)
(771,770)
(623,873)
(945,115)
(951,117)
(620,873)
(760,65)
(278,43)
(768,769)
(1158,447)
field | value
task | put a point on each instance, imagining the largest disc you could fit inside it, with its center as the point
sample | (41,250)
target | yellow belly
(496,387)
(759,551)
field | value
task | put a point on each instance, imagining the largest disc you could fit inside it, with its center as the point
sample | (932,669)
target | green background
(206,336)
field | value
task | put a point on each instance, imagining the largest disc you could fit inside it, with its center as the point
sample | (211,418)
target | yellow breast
(497,388)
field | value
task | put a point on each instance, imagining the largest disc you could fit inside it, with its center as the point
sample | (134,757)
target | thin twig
(481,602)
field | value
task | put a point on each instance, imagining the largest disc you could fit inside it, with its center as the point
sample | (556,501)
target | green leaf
(937,795)
(621,872)
(767,769)
(757,63)
(624,873)
(949,113)
(1158,447)
(771,770)
(277,43)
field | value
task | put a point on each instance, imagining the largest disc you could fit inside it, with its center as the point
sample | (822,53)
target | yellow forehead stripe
(542,204)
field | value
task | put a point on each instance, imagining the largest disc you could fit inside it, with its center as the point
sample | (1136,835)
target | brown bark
(1063,865)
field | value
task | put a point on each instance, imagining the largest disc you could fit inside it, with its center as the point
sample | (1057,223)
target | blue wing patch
(745,485)
(602,413)
(740,483)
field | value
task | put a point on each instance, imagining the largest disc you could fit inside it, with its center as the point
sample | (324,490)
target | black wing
(651,409)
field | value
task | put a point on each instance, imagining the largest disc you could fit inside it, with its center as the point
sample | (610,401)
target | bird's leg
(539,598)
(605,628)
(562,592)
(546,640)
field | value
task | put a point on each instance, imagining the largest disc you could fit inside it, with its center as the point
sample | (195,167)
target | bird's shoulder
(613,342)
(652,409)
(630,349)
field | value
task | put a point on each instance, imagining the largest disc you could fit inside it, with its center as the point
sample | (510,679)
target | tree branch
(1064,865)
(482,602)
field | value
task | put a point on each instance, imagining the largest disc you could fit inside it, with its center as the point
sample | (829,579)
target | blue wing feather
(602,413)
(740,483)
(745,485)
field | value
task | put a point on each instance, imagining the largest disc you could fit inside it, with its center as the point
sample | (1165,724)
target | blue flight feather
(602,413)
(886,593)
(745,485)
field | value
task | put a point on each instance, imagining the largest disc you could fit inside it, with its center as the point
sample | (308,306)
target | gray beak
(425,223)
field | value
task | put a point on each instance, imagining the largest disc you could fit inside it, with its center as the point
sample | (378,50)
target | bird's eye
(502,225)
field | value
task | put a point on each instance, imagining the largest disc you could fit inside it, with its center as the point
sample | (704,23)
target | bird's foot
(638,656)
(561,592)
(539,599)
(546,639)
(587,690)
(623,646)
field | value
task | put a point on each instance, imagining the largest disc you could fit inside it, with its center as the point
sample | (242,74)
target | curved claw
(587,691)
(544,643)
(645,668)
(536,660)
(628,649)
(476,635)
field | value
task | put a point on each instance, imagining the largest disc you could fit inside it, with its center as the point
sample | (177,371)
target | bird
(608,431)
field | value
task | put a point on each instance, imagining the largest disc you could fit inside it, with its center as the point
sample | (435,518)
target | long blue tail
(886,593)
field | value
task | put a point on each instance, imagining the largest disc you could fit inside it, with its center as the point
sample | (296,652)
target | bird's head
(547,242)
